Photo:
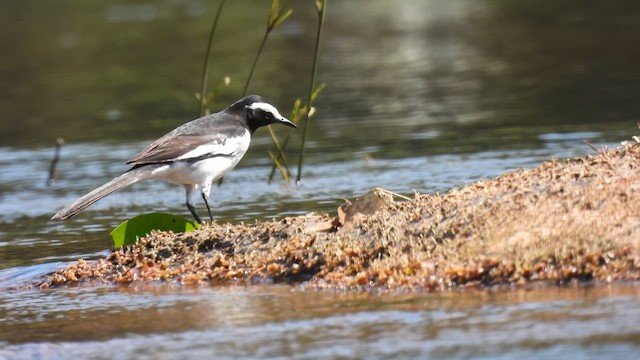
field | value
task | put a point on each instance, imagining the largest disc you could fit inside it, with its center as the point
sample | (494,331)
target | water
(150,322)
(421,96)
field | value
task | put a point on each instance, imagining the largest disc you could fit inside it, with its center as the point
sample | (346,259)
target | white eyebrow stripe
(267,108)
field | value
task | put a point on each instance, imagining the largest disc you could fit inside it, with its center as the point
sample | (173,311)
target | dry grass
(564,221)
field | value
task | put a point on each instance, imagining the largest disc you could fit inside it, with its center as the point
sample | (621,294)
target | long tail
(130,177)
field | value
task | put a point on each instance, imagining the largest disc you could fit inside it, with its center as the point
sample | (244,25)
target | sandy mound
(564,221)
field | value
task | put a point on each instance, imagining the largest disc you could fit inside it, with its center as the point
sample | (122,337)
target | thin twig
(205,67)
(276,16)
(255,62)
(53,168)
(394,194)
(590,145)
(281,155)
(321,6)
(278,165)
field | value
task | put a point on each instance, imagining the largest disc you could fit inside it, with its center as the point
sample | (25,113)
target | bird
(193,155)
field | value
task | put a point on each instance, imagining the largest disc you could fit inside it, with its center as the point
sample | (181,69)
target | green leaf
(277,15)
(129,231)
(317,91)
(282,17)
(273,14)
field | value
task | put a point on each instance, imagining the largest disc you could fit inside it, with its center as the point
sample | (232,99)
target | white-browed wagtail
(193,155)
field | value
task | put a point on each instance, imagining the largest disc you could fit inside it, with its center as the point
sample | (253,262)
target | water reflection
(276,322)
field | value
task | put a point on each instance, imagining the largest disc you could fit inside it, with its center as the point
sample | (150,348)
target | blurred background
(439,76)
(421,95)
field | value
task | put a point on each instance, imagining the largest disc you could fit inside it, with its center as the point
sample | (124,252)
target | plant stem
(255,61)
(278,165)
(205,67)
(276,17)
(321,12)
(285,173)
(246,89)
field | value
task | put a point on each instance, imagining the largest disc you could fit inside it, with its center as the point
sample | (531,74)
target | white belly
(196,173)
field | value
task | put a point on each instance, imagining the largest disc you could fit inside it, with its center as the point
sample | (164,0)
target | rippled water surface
(275,322)
(421,96)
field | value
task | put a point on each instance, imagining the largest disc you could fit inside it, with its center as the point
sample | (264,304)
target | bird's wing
(196,140)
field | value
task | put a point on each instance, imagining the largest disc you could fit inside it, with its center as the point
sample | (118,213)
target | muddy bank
(564,221)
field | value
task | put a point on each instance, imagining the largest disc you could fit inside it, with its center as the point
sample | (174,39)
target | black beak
(284,121)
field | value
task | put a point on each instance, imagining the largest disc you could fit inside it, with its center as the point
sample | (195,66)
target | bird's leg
(193,212)
(206,190)
(206,202)
(191,208)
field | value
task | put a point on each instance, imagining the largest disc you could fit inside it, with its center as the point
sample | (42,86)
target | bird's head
(259,112)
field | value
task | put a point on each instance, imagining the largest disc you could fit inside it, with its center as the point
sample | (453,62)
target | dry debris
(562,222)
